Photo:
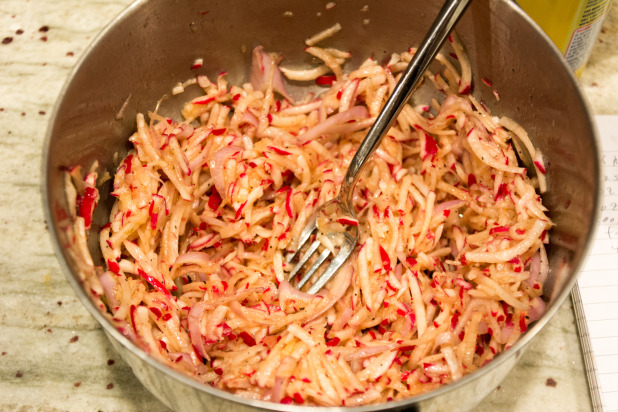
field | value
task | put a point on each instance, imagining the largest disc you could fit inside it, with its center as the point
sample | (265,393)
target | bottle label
(583,37)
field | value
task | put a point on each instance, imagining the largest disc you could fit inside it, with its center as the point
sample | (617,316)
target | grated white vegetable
(204,212)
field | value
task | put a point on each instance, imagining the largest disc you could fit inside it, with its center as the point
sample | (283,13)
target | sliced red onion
(183,358)
(465,285)
(183,131)
(287,292)
(537,308)
(325,127)
(260,73)
(338,288)
(249,118)
(193,321)
(107,281)
(369,351)
(506,333)
(200,259)
(451,204)
(535,267)
(276,392)
(343,319)
(217,164)
(201,242)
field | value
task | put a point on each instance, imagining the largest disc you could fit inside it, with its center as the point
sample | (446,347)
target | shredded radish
(447,273)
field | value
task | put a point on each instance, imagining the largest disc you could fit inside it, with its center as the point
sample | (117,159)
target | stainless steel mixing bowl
(150,47)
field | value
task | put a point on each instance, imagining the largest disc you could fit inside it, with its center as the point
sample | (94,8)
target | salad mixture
(448,272)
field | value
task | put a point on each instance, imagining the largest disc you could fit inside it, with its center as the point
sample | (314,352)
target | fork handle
(427,50)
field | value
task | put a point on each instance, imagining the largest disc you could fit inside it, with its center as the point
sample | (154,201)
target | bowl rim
(114,333)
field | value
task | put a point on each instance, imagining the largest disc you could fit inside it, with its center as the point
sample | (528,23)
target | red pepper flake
(74,339)
(236,97)
(113,266)
(19,374)
(346,221)
(327,80)
(386,261)
(520,231)
(288,204)
(540,166)
(479,350)
(132,310)
(154,282)
(487,82)
(333,342)
(287,400)
(502,191)
(498,229)
(454,320)
(372,333)
(279,151)
(214,200)
(551,383)
(509,319)
(127,164)
(218,371)
(429,147)
(167,317)
(446,212)
(411,261)
(156,312)
(87,203)
(239,211)
(522,323)
(219,132)
(153,216)
(77,384)
(339,94)
(471,179)
(298,398)
(205,101)
(248,339)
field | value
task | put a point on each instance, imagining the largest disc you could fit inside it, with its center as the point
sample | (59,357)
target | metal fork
(341,210)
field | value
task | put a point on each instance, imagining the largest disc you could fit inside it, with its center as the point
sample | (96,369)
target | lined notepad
(596,295)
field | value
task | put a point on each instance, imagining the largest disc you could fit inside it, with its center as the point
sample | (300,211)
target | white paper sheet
(598,283)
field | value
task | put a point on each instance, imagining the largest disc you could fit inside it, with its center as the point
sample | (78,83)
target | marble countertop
(54,356)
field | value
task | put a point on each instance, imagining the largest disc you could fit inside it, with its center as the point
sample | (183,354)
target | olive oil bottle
(573,25)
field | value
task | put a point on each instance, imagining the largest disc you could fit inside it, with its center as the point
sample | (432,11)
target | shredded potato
(448,272)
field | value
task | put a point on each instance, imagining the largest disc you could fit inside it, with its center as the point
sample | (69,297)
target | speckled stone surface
(54,356)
